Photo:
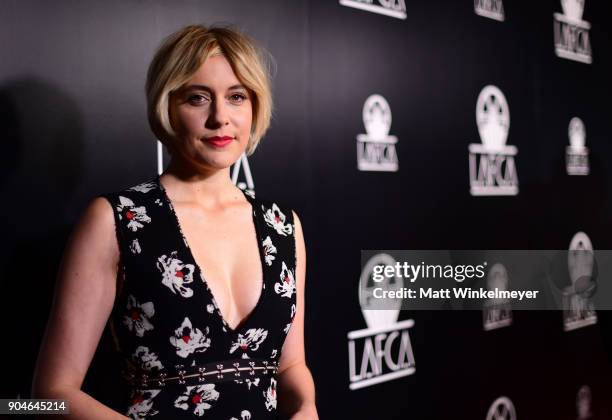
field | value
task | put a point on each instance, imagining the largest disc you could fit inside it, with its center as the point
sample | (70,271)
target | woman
(203,283)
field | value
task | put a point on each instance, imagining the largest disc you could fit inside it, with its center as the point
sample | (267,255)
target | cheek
(244,119)
(190,121)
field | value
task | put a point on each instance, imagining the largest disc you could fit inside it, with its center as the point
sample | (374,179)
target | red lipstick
(219,141)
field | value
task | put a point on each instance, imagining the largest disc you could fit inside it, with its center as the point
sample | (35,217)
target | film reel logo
(502,409)
(497,313)
(584,400)
(573,9)
(578,307)
(572,37)
(491,163)
(378,318)
(376,149)
(576,154)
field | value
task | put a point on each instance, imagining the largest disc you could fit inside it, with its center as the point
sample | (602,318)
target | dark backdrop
(72,108)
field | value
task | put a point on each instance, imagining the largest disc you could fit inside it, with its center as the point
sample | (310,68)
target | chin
(219,162)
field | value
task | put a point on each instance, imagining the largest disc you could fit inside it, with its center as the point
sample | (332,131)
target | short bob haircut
(182,53)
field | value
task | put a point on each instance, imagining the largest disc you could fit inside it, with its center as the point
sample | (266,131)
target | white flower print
(210,308)
(249,382)
(270,395)
(252,382)
(135,216)
(269,249)
(188,340)
(141,404)
(175,274)
(276,219)
(286,286)
(274,353)
(250,341)
(145,359)
(145,187)
(137,318)
(244,415)
(196,398)
(286,329)
(158,202)
(292,310)
(135,247)
(249,192)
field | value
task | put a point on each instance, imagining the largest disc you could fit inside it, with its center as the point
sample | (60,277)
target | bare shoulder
(99,210)
(98,215)
(300,248)
(296,218)
(94,234)
(298,225)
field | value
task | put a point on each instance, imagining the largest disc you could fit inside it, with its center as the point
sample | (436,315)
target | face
(212,116)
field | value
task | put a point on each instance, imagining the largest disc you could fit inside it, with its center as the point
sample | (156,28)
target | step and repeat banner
(398,125)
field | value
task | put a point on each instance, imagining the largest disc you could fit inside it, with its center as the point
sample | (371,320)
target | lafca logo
(497,312)
(492,168)
(376,149)
(572,39)
(502,409)
(393,8)
(160,157)
(382,351)
(584,401)
(576,154)
(246,185)
(492,9)
(578,308)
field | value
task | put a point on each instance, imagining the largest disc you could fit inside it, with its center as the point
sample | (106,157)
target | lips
(219,141)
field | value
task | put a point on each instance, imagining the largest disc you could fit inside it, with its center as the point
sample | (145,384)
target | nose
(219,115)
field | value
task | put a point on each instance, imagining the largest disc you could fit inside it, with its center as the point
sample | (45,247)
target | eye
(238,98)
(197,99)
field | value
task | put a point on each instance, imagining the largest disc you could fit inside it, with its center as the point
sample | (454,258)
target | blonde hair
(182,53)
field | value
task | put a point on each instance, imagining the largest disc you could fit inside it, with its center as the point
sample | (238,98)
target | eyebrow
(208,89)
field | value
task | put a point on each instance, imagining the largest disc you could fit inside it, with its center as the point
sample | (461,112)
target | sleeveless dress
(182,358)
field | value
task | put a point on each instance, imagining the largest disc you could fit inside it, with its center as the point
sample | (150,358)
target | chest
(225,247)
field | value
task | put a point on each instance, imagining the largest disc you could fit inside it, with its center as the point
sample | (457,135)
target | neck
(209,187)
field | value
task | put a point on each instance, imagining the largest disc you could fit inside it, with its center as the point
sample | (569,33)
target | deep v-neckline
(177,225)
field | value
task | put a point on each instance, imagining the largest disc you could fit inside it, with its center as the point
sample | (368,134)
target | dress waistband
(226,370)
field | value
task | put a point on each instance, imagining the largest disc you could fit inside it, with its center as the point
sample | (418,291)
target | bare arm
(296,386)
(83,301)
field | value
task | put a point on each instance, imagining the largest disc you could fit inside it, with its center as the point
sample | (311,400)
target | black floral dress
(182,358)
